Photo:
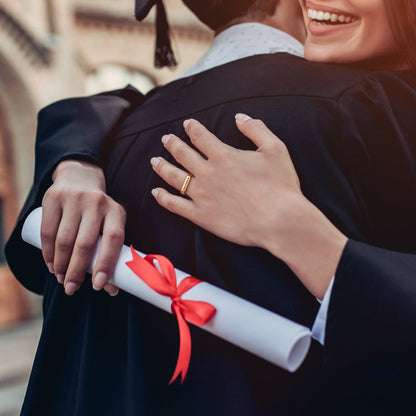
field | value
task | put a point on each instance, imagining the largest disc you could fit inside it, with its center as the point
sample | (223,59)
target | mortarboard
(164,54)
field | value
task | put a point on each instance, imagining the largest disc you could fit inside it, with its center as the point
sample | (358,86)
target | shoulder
(388,98)
(394,84)
(377,125)
(267,75)
(283,74)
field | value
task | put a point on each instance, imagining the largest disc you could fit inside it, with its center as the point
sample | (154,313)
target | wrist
(282,224)
(308,243)
(68,169)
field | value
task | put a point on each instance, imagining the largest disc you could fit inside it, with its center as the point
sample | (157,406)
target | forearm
(80,128)
(307,242)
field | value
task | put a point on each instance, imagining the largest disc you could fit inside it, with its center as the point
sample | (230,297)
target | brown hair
(219,13)
(402,18)
(262,8)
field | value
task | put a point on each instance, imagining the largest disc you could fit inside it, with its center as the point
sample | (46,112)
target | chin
(318,53)
(324,55)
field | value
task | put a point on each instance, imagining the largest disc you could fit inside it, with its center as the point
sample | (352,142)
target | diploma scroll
(242,323)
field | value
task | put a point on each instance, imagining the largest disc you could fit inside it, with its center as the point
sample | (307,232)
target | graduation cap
(164,55)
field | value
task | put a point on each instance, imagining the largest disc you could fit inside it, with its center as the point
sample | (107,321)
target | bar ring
(186,184)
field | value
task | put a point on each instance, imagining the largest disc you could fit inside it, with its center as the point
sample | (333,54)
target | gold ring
(186,184)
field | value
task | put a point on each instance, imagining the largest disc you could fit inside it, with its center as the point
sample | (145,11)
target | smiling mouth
(328,18)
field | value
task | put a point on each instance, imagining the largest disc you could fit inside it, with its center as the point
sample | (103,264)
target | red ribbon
(164,283)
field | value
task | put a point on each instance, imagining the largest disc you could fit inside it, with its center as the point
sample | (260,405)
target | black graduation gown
(103,355)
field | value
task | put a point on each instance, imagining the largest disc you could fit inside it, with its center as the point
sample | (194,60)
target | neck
(235,22)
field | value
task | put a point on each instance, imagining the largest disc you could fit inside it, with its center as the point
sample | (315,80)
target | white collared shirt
(244,40)
(319,326)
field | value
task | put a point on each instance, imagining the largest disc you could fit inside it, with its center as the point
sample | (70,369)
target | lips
(324,20)
(327,17)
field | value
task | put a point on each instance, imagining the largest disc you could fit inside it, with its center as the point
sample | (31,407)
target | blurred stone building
(52,49)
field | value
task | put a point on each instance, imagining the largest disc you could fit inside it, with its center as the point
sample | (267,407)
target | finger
(183,154)
(256,131)
(176,204)
(171,174)
(110,248)
(65,240)
(111,289)
(51,217)
(83,251)
(204,140)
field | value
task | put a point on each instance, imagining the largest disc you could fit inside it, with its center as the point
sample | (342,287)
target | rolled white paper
(251,327)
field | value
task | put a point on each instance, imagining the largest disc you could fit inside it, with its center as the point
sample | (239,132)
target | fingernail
(242,117)
(50,267)
(155,192)
(154,161)
(166,138)
(99,281)
(114,293)
(186,123)
(71,288)
(61,278)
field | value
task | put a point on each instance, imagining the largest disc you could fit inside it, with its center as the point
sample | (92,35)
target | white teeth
(333,17)
(313,14)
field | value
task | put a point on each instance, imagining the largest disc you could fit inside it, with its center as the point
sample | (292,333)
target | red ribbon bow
(164,283)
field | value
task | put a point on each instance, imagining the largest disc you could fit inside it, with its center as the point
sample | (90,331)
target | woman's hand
(76,210)
(251,198)
(232,191)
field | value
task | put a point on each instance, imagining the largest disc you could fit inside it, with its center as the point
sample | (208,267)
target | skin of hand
(251,198)
(76,210)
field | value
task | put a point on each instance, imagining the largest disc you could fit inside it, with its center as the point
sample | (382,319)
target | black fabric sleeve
(371,332)
(74,128)
(78,128)
(371,326)
(372,310)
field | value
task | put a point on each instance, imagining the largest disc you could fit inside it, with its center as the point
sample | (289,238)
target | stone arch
(35,51)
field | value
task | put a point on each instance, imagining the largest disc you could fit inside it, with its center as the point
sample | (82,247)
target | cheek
(377,38)
(316,52)
(376,27)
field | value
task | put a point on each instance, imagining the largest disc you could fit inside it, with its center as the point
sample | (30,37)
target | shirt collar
(244,40)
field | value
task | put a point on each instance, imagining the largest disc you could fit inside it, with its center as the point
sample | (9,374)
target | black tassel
(164,55)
